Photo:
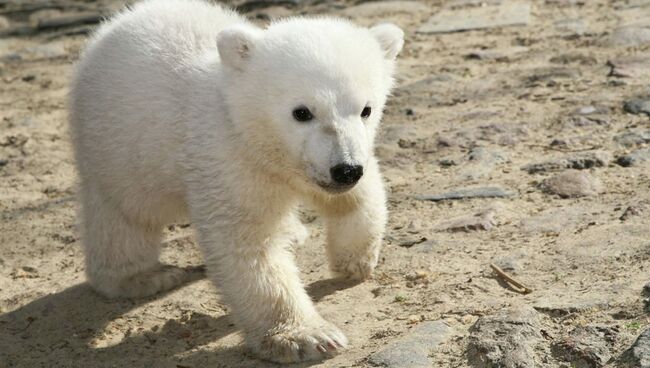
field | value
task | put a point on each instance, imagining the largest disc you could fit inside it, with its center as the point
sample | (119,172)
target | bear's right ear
(235,45)
(390,37)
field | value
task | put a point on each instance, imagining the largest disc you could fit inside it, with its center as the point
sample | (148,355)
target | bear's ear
(235,45)
(390,37)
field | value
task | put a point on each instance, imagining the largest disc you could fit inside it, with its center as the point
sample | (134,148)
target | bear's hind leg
(122,254)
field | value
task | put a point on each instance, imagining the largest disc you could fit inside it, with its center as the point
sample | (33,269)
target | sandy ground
(471,109)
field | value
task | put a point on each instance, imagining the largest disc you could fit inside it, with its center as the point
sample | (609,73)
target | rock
(572,184)
(511,338)
(635,158)
(69,19)
(508,264)
(638,106)
(481,162)
(632,211)
(483,220)
(559,307)
(633,138)
(637,67)
(4,23)
(497,54)
(638,355)
(578,161)
(586,346)
(628,36)
(551,74)
(490,16)
(425,247)
(384,8)
(464,193)
(571,58)
(413,349)
(251,5)
(571,26)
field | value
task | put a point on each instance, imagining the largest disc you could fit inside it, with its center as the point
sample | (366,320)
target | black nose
(344,174)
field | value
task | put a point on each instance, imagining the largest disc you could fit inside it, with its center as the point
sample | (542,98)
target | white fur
(181,108)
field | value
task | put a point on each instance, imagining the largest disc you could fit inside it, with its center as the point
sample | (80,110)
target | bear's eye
(302,114)
(366,112)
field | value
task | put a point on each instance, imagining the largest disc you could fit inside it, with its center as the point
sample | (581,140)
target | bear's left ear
(390,37)
(235,45)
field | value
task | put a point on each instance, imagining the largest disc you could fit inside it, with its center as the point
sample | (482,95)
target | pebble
(586,346)
(387,8)
(504,54)
(412,350)
(69,19)
(572,184)
(489,16)
(628,36)
(483,220)
(632,211)
(481,162)
(638,106)
(630,67)
(639,353)
(578,161)
(636,158)
(250,5)
(633,138)
(556,307)
(510,338)
(464,193)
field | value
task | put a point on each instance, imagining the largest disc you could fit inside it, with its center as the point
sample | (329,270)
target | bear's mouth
(332,188)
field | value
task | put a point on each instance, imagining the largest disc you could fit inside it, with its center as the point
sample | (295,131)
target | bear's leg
(355,223)
(122,254)
(260,281)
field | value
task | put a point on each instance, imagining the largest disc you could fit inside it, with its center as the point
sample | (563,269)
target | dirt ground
(471,109)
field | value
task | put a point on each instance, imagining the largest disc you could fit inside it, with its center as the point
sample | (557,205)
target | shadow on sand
(58,330)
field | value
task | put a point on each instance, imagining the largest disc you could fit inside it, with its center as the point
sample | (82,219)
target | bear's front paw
(311,341)
(356,268)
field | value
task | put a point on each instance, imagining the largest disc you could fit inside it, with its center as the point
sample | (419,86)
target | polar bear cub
(182,109)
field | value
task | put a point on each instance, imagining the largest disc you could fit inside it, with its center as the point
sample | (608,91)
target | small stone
(501,15)
(510,338)
(572,184)
(480,221)
(4,23)
(412,350)
(425,247)
(497,54)
(387,8)
(578,161)
(633,138)
(574,58)
(465,193)
(549,74)
(638,106)
(250,5)
(635,158)
(631,211)
(630,67)
(481,162)
(70,19)
(586,346)
(638,355)
(560,308)
(447,162)
(3,162)
(508,264)
(628,36)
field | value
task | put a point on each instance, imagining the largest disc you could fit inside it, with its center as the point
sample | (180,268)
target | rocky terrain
(517,144)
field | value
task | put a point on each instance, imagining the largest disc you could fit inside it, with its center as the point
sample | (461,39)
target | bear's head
(307,95)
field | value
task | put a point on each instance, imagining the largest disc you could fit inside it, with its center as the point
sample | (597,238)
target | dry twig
(517,286)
